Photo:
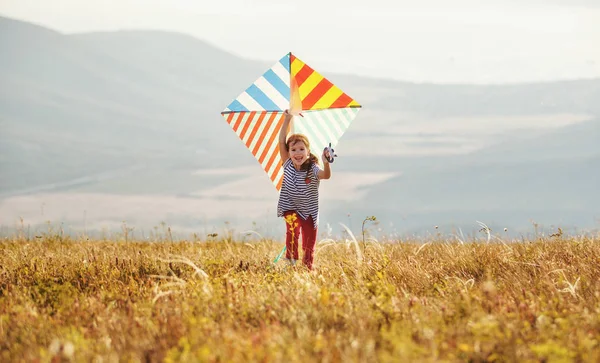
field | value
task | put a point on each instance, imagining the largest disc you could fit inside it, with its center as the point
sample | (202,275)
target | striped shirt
(298,195)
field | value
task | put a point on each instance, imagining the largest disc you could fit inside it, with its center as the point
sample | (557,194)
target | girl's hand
(325,173)
(325,156)
(289,115)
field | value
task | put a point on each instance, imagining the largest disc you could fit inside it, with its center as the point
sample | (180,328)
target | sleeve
(316,170)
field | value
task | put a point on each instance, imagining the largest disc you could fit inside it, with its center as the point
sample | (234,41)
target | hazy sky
(420,40)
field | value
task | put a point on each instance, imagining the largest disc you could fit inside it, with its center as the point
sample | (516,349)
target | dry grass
(223,301)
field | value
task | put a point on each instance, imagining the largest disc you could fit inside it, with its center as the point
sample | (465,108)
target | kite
(257,114)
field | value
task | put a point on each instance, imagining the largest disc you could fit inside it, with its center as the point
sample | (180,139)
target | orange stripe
(230,117)
(237,121)
(274,153)
(271,139)
(342,101)
(255,128)
(315,95)
(279,182)
(265,153)
(303,74)
(263,133)
(247,124)
(277,168)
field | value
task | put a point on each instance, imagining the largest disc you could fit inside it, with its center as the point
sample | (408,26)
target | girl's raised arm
(282,134)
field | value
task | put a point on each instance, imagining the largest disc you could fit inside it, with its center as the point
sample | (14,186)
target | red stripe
(263,133)
(315,95)
(343,101)
(247,124)
(271,139)
(303,74)
(238,120)
(255,129)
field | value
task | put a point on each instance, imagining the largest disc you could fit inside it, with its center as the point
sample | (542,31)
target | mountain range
(102,129)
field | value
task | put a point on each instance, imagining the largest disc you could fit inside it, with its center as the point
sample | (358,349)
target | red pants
(309,237)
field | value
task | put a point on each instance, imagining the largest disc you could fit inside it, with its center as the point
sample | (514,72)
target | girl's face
(299,153)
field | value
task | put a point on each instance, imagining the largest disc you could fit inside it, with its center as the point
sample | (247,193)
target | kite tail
(279,255)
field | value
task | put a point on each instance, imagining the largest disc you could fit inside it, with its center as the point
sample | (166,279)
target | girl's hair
(312,158)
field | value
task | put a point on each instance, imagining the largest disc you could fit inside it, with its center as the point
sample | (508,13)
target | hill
(136,114)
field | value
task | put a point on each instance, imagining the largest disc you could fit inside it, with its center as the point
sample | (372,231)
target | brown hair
(312,158)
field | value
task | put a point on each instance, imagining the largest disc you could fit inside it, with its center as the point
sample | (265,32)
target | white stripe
(348,115)
(314,136)
(282,73)
(275,162)
(265,143)
(325,123)
(261,127)
(244,119)
(279,176)
(319,132)
(250,126)
(336,125)
(249,102)
(275,150)
(343,116)
(272,93)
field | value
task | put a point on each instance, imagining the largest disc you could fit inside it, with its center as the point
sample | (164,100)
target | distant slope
(577,96)
(113,111)
(176,59)
(570,142)
(70,109)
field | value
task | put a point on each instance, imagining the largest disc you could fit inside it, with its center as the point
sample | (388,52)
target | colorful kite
(257,114)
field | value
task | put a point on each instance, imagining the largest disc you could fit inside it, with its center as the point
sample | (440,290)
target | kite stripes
(270,92)
(324,126)
(256,115)
(316,91)
(259,131)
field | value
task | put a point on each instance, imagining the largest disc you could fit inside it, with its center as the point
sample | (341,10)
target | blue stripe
(262,99)
(279,85)
(285,62)
(237,106)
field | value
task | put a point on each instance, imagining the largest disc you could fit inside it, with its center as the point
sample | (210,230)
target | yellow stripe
(296,66)
(328,98)
(311,82)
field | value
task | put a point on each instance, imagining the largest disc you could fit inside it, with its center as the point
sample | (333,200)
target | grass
(442,301)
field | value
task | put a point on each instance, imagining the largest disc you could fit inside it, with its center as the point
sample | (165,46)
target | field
(65,299)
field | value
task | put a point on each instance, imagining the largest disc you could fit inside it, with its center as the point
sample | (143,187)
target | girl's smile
(299,153)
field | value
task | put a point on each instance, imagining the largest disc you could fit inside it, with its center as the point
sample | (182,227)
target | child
(299,195)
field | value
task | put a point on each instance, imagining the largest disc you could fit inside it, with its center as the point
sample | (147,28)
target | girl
(299,195)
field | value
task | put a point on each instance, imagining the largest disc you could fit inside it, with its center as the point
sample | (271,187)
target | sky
(440,41)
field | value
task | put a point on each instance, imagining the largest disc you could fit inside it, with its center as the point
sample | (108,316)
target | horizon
(503,42)
(133,120)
